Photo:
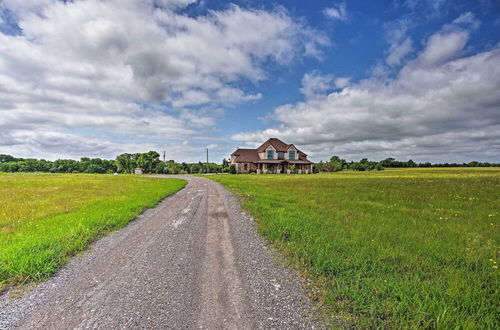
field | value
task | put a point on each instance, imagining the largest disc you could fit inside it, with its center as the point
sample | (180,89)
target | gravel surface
(194,261)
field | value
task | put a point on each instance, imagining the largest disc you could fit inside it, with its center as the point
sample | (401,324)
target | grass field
(46,218)
(397,248)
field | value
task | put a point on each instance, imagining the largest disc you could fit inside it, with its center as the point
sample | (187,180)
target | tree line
(337,164)
(150,163)
(125,163)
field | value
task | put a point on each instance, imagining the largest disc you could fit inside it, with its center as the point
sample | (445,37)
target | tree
(125,163)
(336,164)
(225,165)
(318,167)
(388,162)
(411,163)
(152,159)
(8,158)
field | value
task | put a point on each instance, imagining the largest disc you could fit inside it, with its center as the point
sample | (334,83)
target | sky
(409,79)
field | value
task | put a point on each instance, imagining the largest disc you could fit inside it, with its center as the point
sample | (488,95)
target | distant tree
(225,165)
(327,167)
(184,167)
(7,158)
(125,163)
(388,162)
(425,164)
(336,164)
(152,160)
(318,167)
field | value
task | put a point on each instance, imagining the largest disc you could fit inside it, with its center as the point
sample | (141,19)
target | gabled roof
(246,155)
(276,143)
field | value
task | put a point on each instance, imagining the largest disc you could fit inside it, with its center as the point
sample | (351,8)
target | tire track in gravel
(220,279)
(194,261)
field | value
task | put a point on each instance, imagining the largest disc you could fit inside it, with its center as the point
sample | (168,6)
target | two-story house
(273,156)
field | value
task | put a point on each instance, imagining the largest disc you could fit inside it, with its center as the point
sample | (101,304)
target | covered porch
(270,166)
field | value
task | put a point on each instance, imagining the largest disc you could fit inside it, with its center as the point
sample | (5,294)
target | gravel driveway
(194,261)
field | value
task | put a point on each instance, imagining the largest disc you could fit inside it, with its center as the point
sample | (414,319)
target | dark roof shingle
(246,155)
(276,143)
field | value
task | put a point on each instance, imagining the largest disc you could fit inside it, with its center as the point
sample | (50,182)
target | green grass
(46,218)
(409,248)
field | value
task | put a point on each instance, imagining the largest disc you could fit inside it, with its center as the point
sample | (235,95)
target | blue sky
(405,79)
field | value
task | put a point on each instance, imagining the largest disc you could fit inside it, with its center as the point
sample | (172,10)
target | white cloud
(398,51)
(314,83)
(442,47)
(336,12)
(130,68)
(341,82)
(442,106)
(467,20)
(400,44)
(430,8)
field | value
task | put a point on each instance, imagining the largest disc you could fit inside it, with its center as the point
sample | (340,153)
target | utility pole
(164,156)
(208,169)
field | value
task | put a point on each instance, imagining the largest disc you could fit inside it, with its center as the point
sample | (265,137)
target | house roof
(276,143)
(279,145)
(246,155)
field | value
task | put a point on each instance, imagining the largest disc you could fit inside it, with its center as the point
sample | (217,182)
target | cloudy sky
(415,79)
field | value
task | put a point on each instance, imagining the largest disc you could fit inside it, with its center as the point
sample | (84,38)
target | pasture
(46,218)
(399,248)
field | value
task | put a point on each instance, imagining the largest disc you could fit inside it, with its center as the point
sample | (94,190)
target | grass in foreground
(398,248)
(46,218)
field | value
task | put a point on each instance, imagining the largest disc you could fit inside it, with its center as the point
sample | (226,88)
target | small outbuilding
(138,170)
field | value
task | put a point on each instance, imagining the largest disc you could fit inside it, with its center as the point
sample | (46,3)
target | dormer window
(291,155)
(270,154)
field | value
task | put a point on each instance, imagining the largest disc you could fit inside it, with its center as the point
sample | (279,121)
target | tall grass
(46,218)
(414,248)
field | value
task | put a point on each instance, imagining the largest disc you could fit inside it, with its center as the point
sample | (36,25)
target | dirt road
(194,261)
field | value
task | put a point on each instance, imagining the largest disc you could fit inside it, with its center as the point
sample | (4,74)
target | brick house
(273,156)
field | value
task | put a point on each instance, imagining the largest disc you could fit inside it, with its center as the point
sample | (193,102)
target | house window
(245,167)
(291,155)
(270,154)
(281,155)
